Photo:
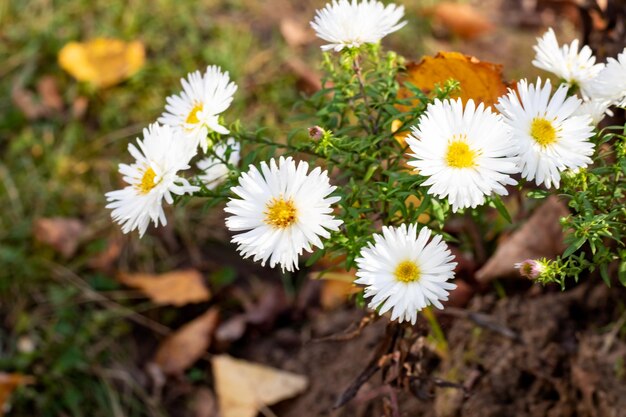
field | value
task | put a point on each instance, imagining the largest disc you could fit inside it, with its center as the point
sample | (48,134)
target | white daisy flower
(403,272)
(350,24)
(610,84)
(577,68)
(215,168)
(551,137)
(152,178)
(597,109)
(466,153)
(281,211)
(197,108)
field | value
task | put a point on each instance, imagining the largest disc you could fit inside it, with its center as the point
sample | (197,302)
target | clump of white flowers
(152,178)
(282,210)
(466,153)
(216,167)
(350,24)
(282,207)
(195,111)
(551,138)
(576,67)
(610,84)
(405,271)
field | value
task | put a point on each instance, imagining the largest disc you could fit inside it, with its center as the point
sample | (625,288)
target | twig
(356,66)
(266,411)
(95,296)
(393,401)
(485,321)
(372,367)
(610,338)
(347,334)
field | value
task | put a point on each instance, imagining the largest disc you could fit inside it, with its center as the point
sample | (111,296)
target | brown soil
(564,356)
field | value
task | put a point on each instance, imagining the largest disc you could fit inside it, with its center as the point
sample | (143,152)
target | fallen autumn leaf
(172,288)
(243,388)
(184,347)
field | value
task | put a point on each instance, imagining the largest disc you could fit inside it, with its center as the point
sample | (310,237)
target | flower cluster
(168,148)
(464,152)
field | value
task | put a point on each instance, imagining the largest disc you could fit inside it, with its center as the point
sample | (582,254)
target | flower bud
(316,132)
(531,268)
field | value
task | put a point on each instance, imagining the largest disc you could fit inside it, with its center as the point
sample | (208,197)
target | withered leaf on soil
(309,80)
(8,384)
(479,80)
(461,19)
(105,260)
(102,61)
(204,403)
(62,233)
(337,287)
(243,388)
(184,347)
(295,33)
(541,236)
(172,288)
(49,92)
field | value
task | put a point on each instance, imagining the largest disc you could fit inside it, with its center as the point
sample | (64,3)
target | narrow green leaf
(604,273)
(497,201)
(621,273)
(574,246)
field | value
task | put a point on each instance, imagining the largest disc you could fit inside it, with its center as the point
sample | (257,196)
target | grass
(62,320)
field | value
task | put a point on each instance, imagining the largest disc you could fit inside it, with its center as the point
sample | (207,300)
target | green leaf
(499,205)
(317,255)
(574,246)
(370,171)
(604,273)
(621,273)
(537,194)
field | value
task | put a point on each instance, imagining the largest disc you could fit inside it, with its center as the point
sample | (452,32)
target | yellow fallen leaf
(102,61)
(176,288)
(180,350)
(8,384)
(480,81)
(243,388)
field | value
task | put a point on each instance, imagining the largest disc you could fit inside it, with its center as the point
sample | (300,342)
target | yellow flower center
(280,213)
(147,181)
(542,131)
(192,118)
(459,155)
(407,271)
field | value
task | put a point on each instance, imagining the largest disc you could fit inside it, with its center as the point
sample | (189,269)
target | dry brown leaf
(8,384)
(541,236)
(334,293)
(243,388)
(63,234)
(105,260)
(176,288)
(102,61)
(295,33)
(232,329)
(49,92)
(25,101)
(184,347)
(462,20)
(309,80)
(204,403)
(79,107)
